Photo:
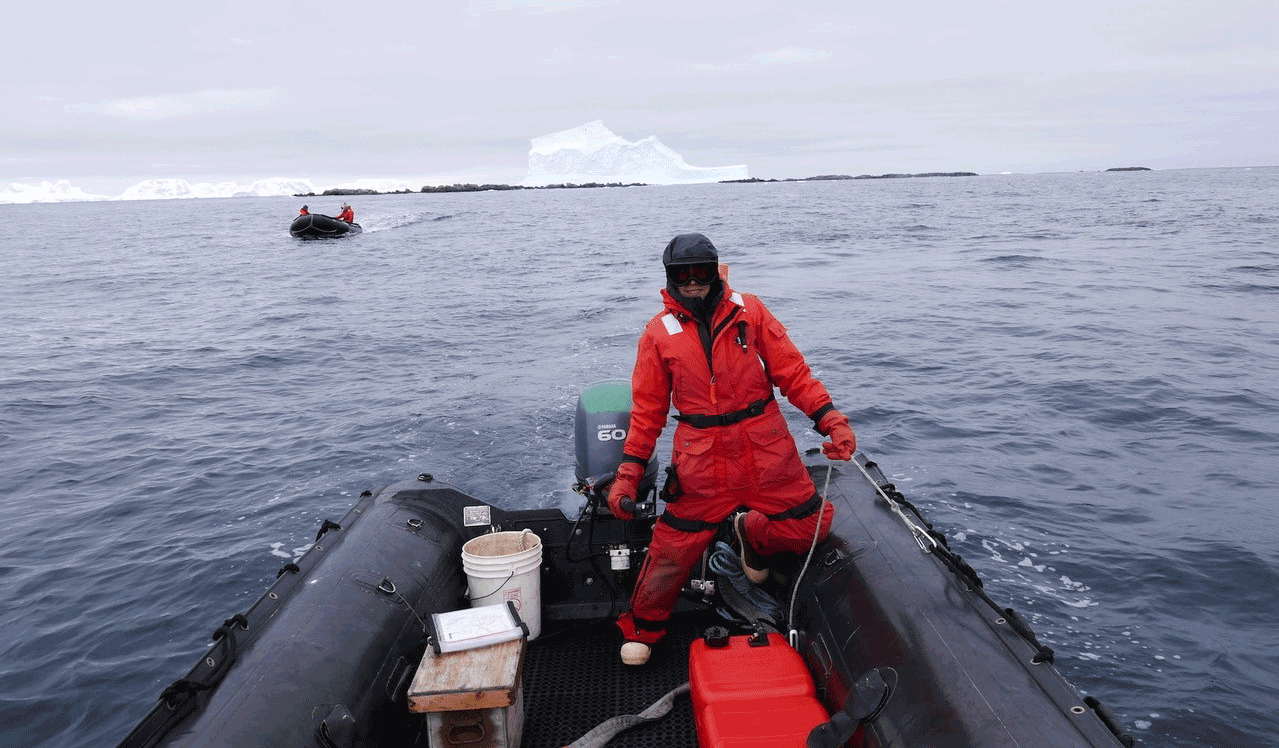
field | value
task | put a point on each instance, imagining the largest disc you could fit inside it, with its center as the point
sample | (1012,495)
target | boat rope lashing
(176,703)
(180,693)
(793,634)
(1111,722)
(605,731)
(184,696)
(227,627)
(1019,624)
(328,525)
(182,688)
(923,538)
(179,699)
(225,638)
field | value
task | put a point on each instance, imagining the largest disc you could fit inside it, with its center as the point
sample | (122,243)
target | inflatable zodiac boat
(880,636)
(316,226)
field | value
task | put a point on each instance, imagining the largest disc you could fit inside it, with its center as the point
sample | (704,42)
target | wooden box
(472,698)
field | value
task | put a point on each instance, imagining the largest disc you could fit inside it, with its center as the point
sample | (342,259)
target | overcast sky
(110,94)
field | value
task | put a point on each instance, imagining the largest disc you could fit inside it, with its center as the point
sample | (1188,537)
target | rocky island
(836,177)
(340,191)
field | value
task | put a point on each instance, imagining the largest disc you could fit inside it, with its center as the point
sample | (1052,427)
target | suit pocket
(694,459)
(773,450)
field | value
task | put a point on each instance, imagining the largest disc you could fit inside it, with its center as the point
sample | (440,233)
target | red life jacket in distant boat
(347,215)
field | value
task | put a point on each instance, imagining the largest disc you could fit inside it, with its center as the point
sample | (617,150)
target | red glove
(843,442)
(624,487)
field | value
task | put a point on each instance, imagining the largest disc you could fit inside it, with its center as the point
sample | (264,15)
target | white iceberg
(591,153)
(159,189)
(177,189)
(277,187)
(61,191)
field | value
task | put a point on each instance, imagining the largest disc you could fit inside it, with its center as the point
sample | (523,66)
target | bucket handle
(494,592)
(524,539)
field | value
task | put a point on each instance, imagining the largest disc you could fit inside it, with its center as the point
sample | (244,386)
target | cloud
(783,56)
(160,107)
(790,56)
(476,7)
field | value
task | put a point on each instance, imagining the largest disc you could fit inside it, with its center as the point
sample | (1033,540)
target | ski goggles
(683,275)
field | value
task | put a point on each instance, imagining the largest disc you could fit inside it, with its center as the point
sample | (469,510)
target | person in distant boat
(716,355)
(347,214)
(304,211)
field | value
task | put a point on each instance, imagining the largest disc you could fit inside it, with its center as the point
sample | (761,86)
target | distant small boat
(315,226)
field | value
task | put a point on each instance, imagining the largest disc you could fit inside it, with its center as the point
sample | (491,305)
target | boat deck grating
(574,680)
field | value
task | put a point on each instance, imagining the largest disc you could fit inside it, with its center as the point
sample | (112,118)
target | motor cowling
(603,421)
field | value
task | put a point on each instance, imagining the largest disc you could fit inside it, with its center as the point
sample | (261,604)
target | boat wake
(400,220)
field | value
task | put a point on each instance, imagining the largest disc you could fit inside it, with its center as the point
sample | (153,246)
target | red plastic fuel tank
(751,692)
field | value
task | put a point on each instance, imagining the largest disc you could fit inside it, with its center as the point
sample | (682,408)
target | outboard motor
(603,421)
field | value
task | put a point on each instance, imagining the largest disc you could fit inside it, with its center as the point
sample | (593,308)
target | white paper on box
(476,627)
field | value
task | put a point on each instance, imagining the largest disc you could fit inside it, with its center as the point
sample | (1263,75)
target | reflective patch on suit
(672,324)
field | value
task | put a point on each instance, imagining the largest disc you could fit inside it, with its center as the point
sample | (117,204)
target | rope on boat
(793,634)
(605,731)
(927,543)
(726,563)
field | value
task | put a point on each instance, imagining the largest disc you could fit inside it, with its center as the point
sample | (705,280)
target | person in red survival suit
(304,211)
(347,214)
(716,355)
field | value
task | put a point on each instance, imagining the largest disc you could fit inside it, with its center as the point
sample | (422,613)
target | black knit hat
(689,249)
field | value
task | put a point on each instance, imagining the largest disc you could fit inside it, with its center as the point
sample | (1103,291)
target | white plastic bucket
(504,566)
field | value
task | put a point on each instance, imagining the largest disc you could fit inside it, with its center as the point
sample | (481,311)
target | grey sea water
(1076,376)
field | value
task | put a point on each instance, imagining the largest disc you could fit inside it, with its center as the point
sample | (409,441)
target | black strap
(328,525)
(647,624)
(818,414)
(603,733)
(687,525)
(798,512)
(728,419)
(696,525)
